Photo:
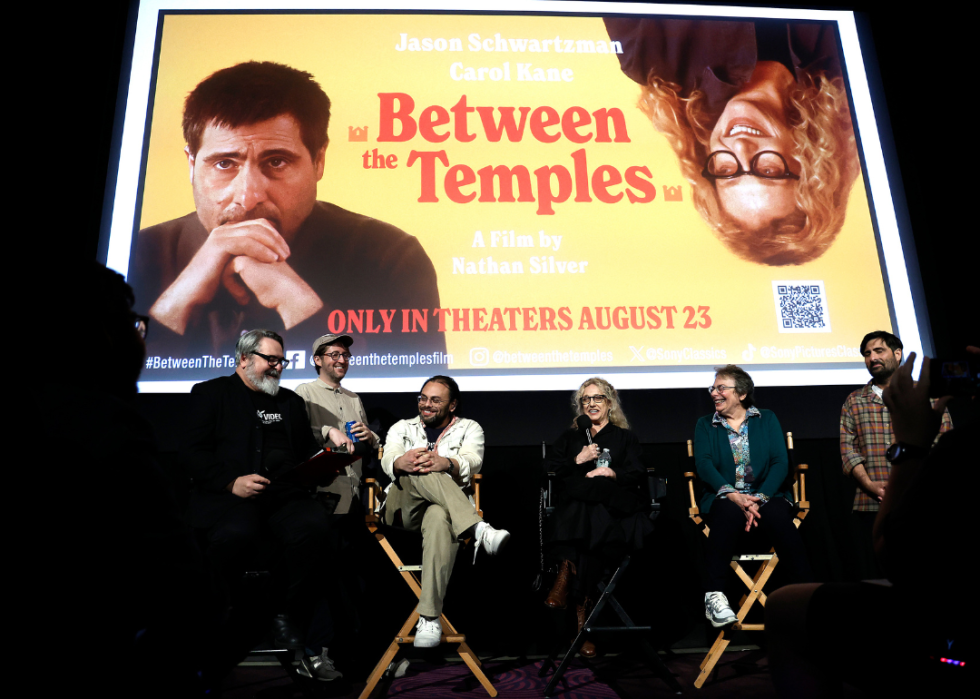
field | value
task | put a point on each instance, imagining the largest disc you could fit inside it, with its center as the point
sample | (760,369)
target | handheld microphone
(584,423)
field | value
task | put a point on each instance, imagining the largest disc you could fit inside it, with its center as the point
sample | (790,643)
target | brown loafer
(558,597)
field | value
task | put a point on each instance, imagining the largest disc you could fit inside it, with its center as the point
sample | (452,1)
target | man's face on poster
(256,171)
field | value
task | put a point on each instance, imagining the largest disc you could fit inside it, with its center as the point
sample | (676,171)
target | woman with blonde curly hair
(601,508)
(757,115)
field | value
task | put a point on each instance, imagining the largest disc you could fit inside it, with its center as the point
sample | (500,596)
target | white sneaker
(716,609)
(319,667)
(492,540)
(428,633)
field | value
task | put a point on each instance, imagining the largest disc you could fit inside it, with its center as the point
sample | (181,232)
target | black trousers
(727,522)
(298,528)
(865,565)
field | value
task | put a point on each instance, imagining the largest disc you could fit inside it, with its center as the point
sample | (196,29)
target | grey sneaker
(318,667)
(716,609)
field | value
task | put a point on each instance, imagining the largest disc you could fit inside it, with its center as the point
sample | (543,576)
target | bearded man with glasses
(431,460)
(242,429)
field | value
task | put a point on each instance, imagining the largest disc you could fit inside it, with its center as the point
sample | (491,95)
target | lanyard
(443,433)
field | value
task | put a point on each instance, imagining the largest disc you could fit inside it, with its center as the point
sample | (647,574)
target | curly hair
(825,146)
(616,414)
(744,386)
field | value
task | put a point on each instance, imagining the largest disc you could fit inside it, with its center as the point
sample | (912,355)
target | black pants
(300,531)
(727,522)
(865,565)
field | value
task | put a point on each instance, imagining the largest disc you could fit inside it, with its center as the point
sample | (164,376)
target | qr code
(801,306)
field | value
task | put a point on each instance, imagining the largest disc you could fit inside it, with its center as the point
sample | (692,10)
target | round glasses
(434,402)
(767,164)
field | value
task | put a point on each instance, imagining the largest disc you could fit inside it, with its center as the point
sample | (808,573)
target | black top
(624,493)
(718,57)
(225,439)
(351,261)
(277,452)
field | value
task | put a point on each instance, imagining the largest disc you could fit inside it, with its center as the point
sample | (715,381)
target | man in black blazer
(241,429)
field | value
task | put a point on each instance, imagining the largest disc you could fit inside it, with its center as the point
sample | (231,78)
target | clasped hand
(749,504)
(421,460)
(244,256)
(248,486)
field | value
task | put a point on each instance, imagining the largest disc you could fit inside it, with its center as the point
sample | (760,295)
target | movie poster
(505,195)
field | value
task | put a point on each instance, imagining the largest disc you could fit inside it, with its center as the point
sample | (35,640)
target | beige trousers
(434,504)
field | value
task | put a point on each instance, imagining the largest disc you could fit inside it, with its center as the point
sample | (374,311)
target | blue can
(351,435)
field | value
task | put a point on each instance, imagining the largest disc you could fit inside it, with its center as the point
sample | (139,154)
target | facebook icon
(297,359)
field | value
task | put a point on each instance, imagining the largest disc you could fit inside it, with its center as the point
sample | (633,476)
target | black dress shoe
(285,635)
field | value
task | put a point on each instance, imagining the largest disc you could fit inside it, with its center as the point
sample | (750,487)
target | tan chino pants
(434,504)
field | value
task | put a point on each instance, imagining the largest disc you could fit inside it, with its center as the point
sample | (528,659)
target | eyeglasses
(598,399)
(142,324)
(336,355)
(273,361)
(768,165)
(436,402)
(720,389)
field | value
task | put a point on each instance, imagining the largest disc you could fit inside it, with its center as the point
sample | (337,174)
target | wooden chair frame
(767,562)
(408,574)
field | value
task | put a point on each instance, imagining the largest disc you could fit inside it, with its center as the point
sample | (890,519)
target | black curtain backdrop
(921,86)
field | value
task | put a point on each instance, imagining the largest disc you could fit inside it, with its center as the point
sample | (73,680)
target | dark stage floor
(740,673)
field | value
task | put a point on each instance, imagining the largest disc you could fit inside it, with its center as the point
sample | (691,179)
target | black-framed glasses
(598,399)
(433,401)
(334,356)
(273,361)
(142,324)
(767,164)
(720,389)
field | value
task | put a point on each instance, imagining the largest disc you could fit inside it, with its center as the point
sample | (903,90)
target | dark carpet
(739,674)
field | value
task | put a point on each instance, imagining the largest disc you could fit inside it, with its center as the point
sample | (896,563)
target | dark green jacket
(716,465)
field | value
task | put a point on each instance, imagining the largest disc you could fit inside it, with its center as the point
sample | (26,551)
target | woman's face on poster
(753,122)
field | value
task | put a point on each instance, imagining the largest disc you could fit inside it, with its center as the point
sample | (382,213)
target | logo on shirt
(268,418)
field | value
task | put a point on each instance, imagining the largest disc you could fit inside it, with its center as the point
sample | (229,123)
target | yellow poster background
(655,254)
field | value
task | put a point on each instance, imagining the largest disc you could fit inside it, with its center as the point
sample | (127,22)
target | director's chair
(656,488)
(408,574)
(767,562)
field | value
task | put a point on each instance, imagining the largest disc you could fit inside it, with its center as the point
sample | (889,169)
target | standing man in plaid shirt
(865,435)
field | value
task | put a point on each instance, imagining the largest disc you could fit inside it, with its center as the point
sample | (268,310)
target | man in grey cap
(331,407)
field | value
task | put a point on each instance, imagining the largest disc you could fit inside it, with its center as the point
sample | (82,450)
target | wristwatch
(900,451)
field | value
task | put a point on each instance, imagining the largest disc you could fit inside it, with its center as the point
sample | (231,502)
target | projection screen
(522,195)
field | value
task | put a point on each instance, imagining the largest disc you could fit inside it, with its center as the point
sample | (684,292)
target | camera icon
(479,356)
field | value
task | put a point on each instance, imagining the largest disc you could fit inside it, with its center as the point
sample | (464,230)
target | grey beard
(266,384)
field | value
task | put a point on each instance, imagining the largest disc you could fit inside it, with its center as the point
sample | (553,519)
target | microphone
(584,423)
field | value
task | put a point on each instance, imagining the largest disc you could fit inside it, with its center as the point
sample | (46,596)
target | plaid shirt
(865,435)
